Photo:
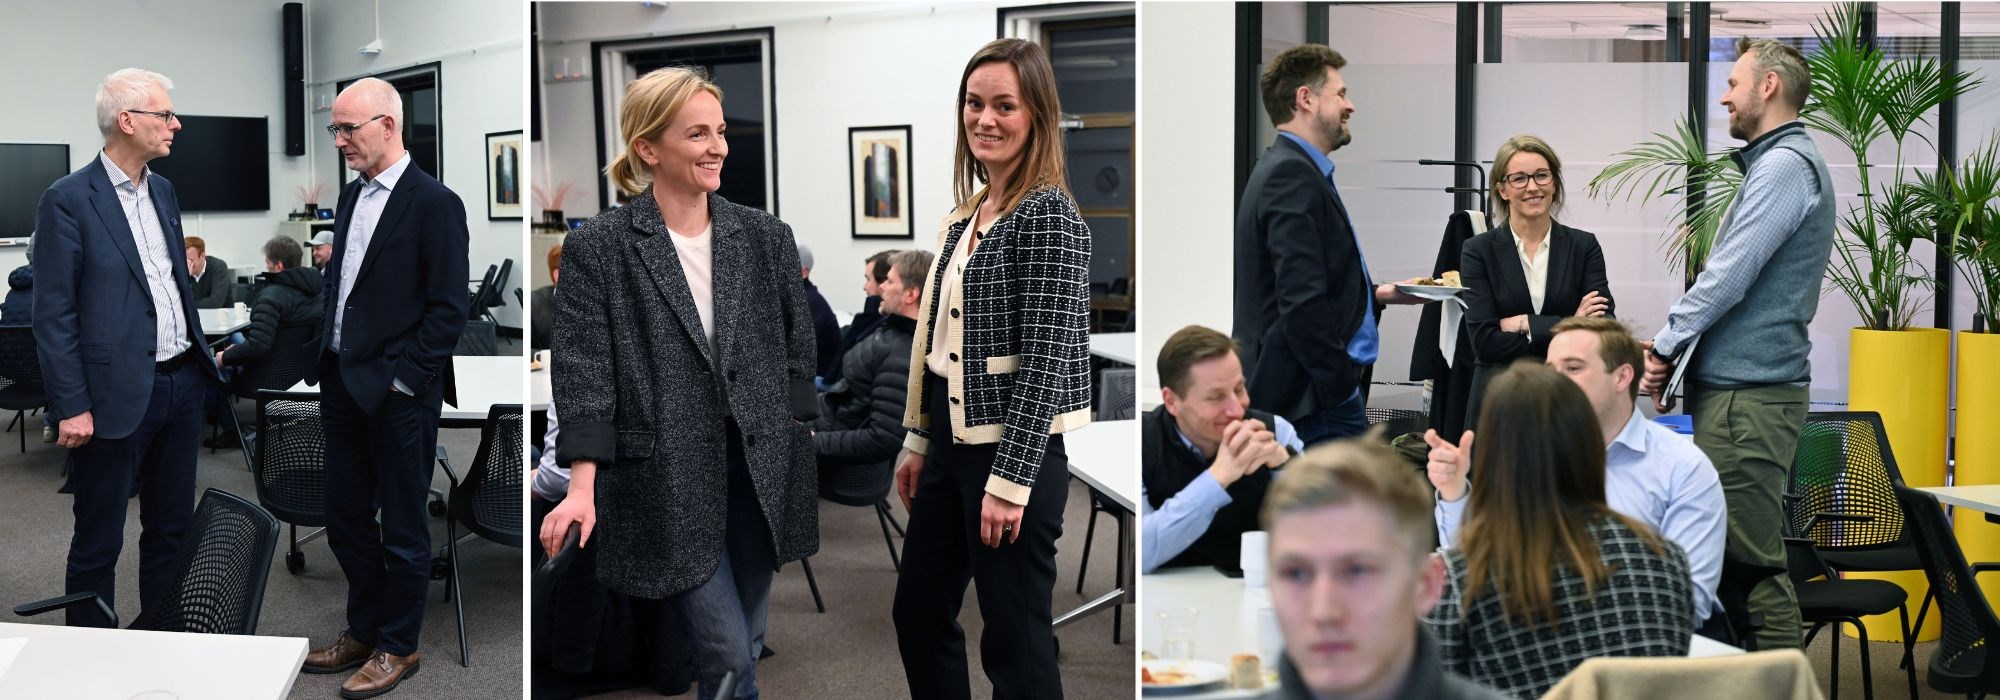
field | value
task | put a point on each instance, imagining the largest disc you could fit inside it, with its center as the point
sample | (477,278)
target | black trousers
(1016,580)
(160,454)
(381,461)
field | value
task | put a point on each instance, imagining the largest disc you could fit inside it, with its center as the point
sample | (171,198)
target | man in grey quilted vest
(1747,382)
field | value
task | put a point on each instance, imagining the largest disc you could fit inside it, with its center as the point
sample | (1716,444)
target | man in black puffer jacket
(288,294)
(860,427)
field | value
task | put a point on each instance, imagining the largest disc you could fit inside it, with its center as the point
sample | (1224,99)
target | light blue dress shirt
(1182,519)
(360,231)
(1659,478)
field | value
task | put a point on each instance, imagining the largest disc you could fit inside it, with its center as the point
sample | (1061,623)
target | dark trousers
(943,553)
(381,461)
(160,455)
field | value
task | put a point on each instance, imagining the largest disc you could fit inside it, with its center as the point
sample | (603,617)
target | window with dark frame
(421,121)
(736,66)
(1095,68)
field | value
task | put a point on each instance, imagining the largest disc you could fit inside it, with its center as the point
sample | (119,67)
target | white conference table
(1105,455)
(1116,347)
(1226,623)
(220,322)
(483,381)
(82,662)
(1983,498)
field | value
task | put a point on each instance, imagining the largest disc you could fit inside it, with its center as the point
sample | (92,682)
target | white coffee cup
(1256,548)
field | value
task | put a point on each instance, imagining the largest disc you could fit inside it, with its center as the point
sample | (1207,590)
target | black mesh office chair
(20,376)
(220,572)
(1964,660)
(487,503)
(1396,421)
(290,466)
(866,485)
(1825,598)
(1842,497)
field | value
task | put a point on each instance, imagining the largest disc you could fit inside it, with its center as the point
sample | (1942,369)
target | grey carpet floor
(850,651)
(310,604)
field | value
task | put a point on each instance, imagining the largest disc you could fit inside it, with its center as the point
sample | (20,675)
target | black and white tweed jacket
(1019,346)
(1644,608)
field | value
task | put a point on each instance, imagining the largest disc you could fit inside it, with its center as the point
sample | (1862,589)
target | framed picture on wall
(503,176)
(879,181)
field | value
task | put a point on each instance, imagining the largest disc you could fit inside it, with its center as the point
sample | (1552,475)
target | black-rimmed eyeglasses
(347,130)
(167,116)
(1520,180)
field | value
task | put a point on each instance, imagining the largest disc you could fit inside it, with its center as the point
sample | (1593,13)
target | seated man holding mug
(1206,457)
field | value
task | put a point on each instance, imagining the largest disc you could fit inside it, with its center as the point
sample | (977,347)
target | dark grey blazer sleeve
(584,378)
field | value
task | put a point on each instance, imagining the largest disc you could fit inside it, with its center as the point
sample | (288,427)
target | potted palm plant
(1964,203)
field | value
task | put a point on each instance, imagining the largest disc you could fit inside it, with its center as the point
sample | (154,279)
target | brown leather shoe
(380,675)
(345,653)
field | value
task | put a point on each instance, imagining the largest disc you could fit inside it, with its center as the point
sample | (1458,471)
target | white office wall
(839,65)
(1187,171)
(480,47)
(1978,125)
(223,56)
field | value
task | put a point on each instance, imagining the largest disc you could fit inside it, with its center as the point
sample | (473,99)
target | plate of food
(1176,677)
(1445,287)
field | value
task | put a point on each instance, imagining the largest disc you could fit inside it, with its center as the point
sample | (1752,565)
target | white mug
(1256,547)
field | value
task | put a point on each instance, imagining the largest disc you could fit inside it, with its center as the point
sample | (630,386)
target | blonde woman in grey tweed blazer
(684,363)
(999,368)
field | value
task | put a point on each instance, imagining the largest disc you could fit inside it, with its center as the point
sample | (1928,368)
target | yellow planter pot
(1978,452)
(1905,377)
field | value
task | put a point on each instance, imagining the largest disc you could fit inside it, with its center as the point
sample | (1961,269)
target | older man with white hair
(120,345)
(396,302)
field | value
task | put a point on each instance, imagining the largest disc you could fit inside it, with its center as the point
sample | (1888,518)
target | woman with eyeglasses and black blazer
(1000,369)
(1529,273)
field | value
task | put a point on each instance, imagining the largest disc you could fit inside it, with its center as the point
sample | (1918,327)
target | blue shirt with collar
(1182,519)
(1365,346)
(1657,477)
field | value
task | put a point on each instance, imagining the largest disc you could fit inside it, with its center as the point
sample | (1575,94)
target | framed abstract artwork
(503,176)
(879,181)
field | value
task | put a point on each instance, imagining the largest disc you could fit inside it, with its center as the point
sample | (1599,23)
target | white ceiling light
(1645,32)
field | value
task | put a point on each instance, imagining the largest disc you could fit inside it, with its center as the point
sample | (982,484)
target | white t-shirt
(697,254)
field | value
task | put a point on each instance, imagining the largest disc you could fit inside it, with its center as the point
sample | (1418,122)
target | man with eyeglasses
(120,345)
(396,303)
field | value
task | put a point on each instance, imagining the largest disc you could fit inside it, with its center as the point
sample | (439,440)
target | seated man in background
(542,324)
(1651,474)
(1349,605)
(19,307)
(861,419)
(210,276)
(322,249)
(873,271)
(1204,455)
(287,295)
(826,326)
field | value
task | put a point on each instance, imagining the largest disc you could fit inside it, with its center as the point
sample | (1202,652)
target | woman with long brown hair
(999,370)
(1545,573)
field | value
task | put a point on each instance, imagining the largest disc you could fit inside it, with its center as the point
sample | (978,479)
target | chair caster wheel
(437,509)
(295,561)
(440,569)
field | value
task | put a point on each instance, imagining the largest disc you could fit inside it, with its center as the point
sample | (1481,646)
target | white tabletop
(1105,454)
(1227,623)
(223,321)
(482,382)
(1985,499)
(83,662)
(1117,347)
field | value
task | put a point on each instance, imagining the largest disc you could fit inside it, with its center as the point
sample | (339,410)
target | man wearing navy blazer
(396,302)
(120,344)
(1305,306)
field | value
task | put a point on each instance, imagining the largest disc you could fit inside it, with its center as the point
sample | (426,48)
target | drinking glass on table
(1177,633)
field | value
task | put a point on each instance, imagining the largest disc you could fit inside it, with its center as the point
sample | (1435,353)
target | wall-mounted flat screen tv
(26,170)
(220,164)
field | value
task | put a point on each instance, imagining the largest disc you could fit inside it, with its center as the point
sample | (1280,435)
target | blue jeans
(1346,420)
(725,616)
